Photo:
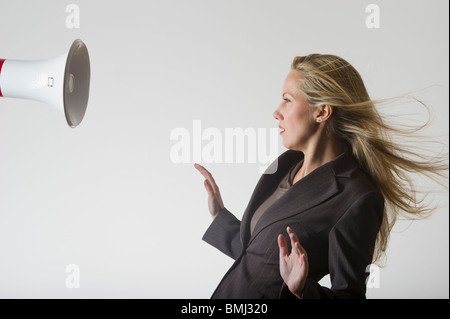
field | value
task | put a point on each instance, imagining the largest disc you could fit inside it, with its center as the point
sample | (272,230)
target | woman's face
(296,118)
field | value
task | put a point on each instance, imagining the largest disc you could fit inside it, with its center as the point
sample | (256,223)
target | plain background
(106,195)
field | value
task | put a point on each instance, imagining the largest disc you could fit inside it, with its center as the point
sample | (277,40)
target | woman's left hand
(293,266)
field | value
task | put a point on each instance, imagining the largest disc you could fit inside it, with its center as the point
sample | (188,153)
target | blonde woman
(335,194)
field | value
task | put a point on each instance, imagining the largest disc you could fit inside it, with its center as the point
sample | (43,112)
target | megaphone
(62,81)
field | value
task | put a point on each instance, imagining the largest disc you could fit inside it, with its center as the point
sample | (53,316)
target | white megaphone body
(62,81)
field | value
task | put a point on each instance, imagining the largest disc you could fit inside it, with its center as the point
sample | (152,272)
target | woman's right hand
(215,203)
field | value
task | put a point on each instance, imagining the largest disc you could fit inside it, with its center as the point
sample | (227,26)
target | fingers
(292,235)
(208,187)
(215,199)
(295,243)
(207,175)
(282,244)
(294,240)
(303,255)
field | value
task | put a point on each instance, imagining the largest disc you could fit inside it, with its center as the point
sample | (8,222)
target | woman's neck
(318,154)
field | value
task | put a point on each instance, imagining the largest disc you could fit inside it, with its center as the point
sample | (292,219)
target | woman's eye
(286,100)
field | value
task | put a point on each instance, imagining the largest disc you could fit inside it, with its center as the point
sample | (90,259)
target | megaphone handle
(1,65)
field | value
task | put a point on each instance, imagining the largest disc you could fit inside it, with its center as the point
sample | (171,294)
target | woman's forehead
(292,83)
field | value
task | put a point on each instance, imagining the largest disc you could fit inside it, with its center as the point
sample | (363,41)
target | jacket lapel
(266,185)
(310,191)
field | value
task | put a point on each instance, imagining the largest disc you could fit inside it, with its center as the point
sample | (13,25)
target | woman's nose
(277,115)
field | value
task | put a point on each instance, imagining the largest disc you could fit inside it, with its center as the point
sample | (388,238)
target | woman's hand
(294,266)
(215,203)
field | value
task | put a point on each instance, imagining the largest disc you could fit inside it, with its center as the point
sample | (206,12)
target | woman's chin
(287,145)
(291,146)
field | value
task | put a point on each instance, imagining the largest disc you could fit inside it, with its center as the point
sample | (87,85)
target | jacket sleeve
(350,251)
(224,234)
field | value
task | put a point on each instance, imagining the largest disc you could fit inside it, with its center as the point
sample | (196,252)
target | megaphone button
(50,82)
(71,83)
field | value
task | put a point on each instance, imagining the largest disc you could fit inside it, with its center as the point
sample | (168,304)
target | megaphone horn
(62,81)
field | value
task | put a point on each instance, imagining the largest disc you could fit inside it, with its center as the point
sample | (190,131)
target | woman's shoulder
(348,171)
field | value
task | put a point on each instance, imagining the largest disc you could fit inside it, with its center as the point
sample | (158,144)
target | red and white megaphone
(62,81)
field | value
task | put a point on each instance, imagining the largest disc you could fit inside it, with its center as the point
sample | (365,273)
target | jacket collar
(313,189)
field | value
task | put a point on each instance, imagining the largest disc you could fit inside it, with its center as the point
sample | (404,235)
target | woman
(336,192)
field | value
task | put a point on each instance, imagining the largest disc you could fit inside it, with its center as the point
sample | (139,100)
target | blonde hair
(331,80)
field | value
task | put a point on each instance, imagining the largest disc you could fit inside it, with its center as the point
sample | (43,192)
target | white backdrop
(107,197)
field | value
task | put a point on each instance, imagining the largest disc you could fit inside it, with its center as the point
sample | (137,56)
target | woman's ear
(323,113)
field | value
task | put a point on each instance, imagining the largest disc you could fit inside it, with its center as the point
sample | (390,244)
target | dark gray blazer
(336,211)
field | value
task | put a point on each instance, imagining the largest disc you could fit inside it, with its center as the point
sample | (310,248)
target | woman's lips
(282,129)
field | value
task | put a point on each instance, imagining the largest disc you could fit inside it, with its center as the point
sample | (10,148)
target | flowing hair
(331,80)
